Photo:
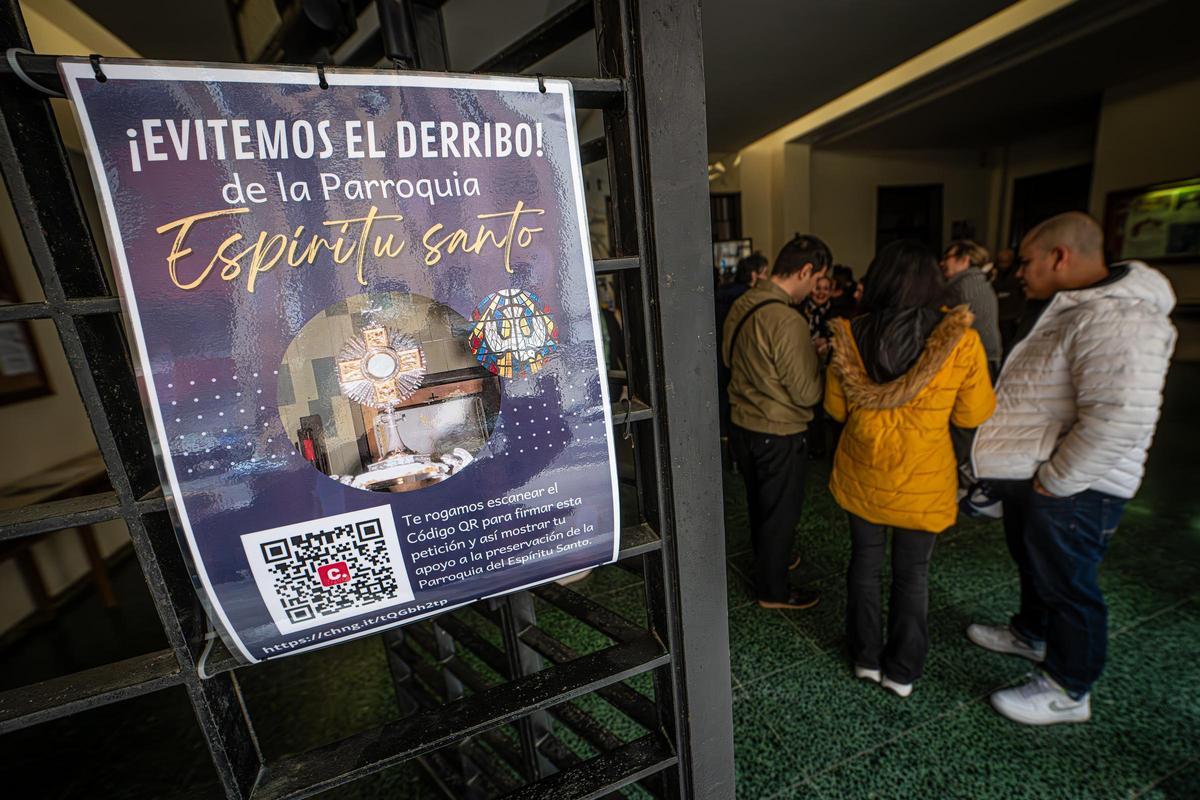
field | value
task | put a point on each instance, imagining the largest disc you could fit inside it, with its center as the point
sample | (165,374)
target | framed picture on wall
(22,373)
(1158,223)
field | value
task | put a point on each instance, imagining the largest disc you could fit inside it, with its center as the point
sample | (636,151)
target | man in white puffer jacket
(1076,406)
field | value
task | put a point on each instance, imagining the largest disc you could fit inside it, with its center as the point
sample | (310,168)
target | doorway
(909,212)
(1039,197)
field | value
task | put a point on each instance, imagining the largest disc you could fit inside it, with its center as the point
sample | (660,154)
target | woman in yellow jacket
(901,374)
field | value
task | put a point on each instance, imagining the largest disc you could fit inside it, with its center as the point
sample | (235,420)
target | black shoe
(798,600)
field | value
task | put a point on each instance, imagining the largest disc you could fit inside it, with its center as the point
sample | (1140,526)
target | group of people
(1052,417)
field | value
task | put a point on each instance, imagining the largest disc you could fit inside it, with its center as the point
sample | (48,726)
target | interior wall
(1147,135)
(844,188)
(757,185)
(776,187)
(832,193)
(797,194)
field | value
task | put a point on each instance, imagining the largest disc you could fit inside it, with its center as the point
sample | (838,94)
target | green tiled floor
(804,728)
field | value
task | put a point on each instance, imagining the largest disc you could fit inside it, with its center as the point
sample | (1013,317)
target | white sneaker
(1002,639)
(899,689)
(872,675)
(1041,702)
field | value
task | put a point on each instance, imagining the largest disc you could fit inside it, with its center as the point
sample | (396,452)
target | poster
(366,334)
(1156,223)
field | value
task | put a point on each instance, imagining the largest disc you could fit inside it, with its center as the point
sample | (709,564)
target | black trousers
(773,469)
(902,656)
(963,438)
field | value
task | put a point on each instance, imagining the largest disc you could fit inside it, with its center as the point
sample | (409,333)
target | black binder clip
(324,84)
(541,83)
(100,76)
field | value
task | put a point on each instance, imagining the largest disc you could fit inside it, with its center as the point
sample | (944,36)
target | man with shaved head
(1077,402)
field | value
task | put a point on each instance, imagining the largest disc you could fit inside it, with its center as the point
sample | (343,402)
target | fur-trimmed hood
(863,392)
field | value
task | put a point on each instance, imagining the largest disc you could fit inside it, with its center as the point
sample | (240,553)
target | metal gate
(485,694)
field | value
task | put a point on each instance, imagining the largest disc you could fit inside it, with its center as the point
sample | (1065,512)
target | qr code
(328,569)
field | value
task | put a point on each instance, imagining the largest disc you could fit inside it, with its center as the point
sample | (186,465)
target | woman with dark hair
(901,373)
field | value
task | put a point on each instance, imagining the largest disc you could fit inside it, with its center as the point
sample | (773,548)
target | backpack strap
(745,318)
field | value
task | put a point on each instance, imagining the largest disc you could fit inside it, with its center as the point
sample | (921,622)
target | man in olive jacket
(775,382)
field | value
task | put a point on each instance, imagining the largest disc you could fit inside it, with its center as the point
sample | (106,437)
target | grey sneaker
(1041,701)
(1003,639)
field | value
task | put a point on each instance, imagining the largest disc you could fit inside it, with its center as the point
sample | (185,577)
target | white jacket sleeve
(1118,367)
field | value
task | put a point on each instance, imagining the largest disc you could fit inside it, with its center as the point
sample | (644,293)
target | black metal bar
(469,677)
(440,645)
(91,688)
(582,723)
(473,765)
(499,781)
(617,59)
(503,747)
(628,701)
(466,674)
(684,586)
(515,612)
(605,773)
(368,752)
(586,727)
(589,92)
(592,151)
(225,725)
(638,540)
(625,699)
(551,36)
(579,721)
(635,411)
(401,672)
(444,651)
(561,756)
(444,776)
(21,311)
(604,265)
(586,610)
(610,25)
(465,635)
(70,512)
(75,308)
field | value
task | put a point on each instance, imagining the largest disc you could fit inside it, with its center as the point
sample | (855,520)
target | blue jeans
(1058,544)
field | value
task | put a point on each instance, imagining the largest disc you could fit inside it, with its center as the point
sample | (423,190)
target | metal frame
(486,694)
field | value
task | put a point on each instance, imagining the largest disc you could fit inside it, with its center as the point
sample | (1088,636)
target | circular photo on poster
(382,392)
